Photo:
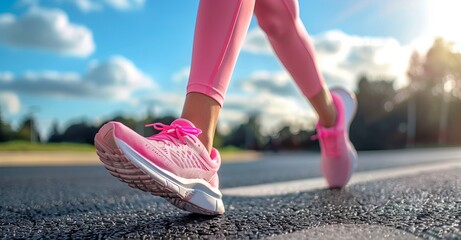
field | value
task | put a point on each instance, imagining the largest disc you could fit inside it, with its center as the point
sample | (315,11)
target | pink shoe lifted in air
(339,157)
(172,164)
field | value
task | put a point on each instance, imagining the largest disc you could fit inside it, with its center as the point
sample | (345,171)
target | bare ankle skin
(203,112)
(324,106)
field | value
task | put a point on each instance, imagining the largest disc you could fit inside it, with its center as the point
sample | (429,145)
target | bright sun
(444,19)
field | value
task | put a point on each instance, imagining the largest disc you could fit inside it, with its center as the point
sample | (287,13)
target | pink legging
(220,30)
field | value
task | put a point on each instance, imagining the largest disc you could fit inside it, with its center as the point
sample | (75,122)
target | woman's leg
(336,107)
(219,33)
(279,19)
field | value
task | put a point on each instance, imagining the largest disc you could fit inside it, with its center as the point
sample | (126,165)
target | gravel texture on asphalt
(85,202)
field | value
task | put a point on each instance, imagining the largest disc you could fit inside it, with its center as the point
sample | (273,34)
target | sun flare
(444,19)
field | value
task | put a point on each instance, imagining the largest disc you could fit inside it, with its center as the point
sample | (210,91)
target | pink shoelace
(330,142)
(172,133)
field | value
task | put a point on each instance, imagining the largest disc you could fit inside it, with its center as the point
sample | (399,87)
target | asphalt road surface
(86,202)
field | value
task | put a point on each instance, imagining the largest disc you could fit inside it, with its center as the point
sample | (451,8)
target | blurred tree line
(427,112)
(27,130)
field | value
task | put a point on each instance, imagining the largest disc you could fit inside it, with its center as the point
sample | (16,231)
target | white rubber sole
(192,195)
(350,103)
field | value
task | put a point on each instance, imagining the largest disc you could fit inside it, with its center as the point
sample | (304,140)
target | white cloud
(6,76)
(274,111)
(116,78)
(181,75)
(10,102)
(116,72)
(165,103)
(93,5)
(88,5)
(277,83)
(271,95)
(342,58)
(46,29)
(125,4)
(120,5)
(256,42)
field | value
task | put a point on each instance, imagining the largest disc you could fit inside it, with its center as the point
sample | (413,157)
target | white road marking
(348,231)
(282,188)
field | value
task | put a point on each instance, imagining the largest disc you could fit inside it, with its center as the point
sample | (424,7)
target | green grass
(230,150)
(22,146)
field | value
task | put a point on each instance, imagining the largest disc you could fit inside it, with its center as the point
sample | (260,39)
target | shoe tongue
(183,123)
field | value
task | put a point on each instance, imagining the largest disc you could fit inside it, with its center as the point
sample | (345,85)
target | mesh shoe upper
(175,149)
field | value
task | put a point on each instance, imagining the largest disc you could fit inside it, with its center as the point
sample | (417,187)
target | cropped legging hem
(206,90)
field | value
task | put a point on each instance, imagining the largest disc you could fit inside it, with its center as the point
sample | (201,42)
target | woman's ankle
(203,112)
(329,120)
(207,142)
(325,108)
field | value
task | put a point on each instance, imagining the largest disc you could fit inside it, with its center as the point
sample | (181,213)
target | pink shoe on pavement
(339,157)
(172,164)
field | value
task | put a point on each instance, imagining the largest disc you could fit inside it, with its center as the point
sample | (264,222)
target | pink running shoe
(172,164)
(339,157)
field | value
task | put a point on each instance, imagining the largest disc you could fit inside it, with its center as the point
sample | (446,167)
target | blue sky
(92,59)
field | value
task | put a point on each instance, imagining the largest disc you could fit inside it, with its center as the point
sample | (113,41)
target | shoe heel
(104,139)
